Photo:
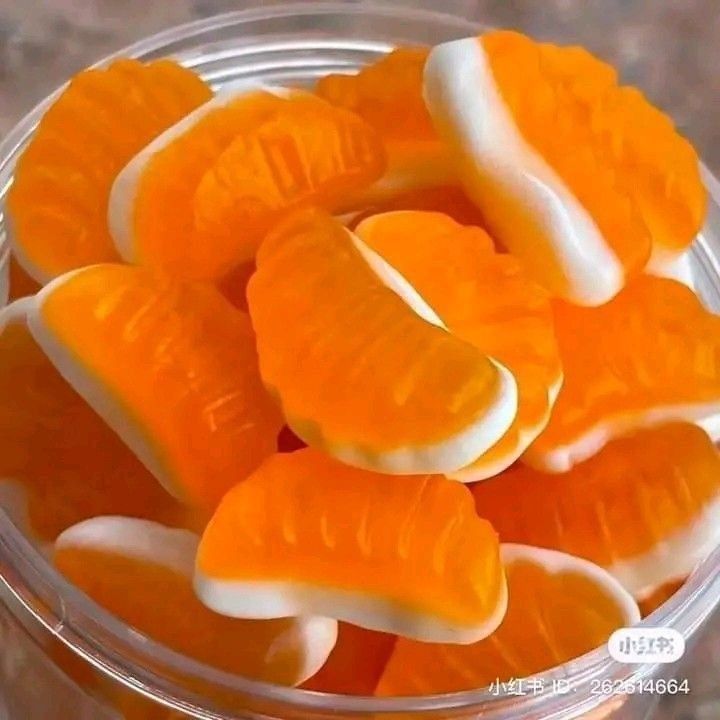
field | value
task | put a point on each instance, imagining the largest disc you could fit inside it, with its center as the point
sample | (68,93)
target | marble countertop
(669,48)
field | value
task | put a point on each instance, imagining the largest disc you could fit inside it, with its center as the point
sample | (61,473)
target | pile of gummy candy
(394,385)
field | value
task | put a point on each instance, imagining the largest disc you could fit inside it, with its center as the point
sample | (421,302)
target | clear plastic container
(62,657)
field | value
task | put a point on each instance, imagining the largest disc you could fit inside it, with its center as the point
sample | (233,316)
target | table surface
(669,48)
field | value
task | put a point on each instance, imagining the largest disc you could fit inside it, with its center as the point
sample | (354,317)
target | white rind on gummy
(556,562)
(468,110)
(175,549)
(393,279)
(446,455)
(274,599)
(672,558)
(95,394)
(429,167)
(121,203)
(15,313)
(562,458)
(671,264)
(711,425)
(136,539)
(526,436)
(316,635)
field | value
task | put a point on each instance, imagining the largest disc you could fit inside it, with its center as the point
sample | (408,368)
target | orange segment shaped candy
(362,366)
(170,366)
(650,355)
(578,176)
(59,461)
(559,607)
(388,95)
(142,572)
(231,170)
(646,507)
(355,663)
(486,299)
(308,535)
(58,201)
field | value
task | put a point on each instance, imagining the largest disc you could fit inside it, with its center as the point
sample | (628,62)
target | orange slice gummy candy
(355,663)
(58,201)
(63,463)
(142,572)
(231,170)
(646,507)
(307,535)
(580,177)
(362,365)
(170,366)
(388,95)
(559,607)
(485,298)
(650,355)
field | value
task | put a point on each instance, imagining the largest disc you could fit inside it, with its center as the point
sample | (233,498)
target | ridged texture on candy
(633,171)
(358,361)
(646,507)
(486,299)
(308,535)
(171,366)
(58,201)
(70,464)
(388,95)
(627,164)
(650,355)
(233,169)
(580,177)
(142,573)
(559,607)
(307,153)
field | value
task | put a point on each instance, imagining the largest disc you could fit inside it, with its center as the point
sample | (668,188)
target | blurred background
(669,48)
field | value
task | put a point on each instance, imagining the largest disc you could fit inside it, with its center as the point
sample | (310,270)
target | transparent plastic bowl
(62,657)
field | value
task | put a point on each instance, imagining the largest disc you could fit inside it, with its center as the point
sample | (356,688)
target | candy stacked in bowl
(397,385)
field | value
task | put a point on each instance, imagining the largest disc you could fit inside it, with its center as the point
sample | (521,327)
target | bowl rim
(115,649)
